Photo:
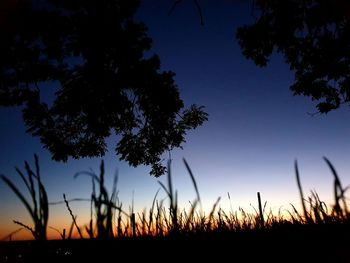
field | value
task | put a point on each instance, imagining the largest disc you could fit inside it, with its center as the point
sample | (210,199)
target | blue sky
(256,127)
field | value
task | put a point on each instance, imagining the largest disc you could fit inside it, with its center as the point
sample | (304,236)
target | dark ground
(284,244)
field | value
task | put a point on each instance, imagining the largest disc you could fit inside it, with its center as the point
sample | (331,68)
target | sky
(255,132)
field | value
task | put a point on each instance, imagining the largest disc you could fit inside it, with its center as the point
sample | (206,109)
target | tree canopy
(314,38)
(95,51)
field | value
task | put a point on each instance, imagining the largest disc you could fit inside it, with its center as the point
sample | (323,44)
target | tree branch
(196,3)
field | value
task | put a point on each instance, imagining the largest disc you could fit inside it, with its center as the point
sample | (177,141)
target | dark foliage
(95,52)
(313,36)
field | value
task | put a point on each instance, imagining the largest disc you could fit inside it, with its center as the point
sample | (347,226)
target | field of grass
(166,233)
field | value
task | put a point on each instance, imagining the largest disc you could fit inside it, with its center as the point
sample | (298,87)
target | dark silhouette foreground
(282,244)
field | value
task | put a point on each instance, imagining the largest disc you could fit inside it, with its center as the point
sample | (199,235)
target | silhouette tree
(94,51)
(313,36)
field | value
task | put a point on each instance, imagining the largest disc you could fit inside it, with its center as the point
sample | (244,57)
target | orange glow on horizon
(54,231)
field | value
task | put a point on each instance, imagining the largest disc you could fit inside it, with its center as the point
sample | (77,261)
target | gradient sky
(256,127)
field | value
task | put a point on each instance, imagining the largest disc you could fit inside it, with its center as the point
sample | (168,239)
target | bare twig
(73,217)
(196,3)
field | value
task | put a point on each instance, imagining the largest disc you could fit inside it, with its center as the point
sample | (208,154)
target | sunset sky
(256,127)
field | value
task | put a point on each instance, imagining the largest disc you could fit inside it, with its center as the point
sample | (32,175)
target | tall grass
(109,221)
(318,212)
(103,206)
(37,207)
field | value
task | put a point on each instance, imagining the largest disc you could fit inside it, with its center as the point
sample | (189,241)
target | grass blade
(300,190)
(193,179)
(19,195)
